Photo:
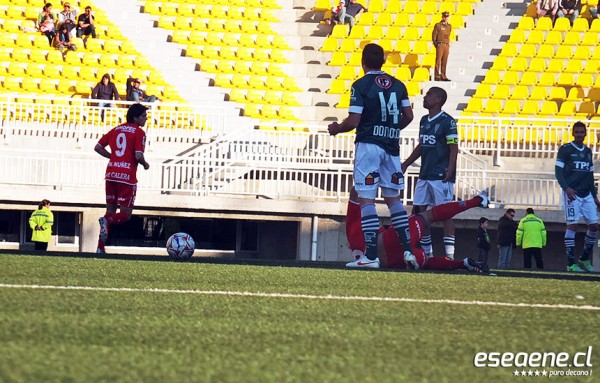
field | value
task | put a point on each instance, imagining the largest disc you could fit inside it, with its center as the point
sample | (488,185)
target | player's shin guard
(370,228)
(356,240)
(588,245)
(426,244)
(450,209)
(449,241)
(400,222)
(570,246)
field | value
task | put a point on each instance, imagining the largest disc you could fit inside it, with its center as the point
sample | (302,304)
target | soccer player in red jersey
(390,249)
(127,143)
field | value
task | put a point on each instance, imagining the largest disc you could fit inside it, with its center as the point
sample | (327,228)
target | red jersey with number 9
(124,141)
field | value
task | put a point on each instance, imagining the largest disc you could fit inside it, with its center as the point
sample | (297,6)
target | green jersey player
(379,110)
(574,172)
(438,149)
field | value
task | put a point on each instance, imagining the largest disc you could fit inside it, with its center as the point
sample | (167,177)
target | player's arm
(407,114)
(139,157)
(350,123)
(102,151)
(416,153)
(451,163)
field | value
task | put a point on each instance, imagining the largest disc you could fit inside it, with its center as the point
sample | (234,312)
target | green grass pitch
(82,319)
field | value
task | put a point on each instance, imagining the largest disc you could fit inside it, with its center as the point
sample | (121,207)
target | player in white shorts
(438,149)
(379,110)
(574,171)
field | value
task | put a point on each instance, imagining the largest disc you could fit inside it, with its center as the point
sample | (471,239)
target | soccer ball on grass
(180,246)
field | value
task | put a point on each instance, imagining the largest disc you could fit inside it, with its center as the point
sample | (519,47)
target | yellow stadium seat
(511,107)
(492,77)
(501,92)
(593,95)
(575,94)
(518,64)
(553,38)
(584,80)
(571,38)
(580,25)
(510,78)
(526,23)
(357,32)
(563,52)
(475,105)
(492,106)
(340,31)
(401,20)
(365,19)
(567,109)
(30,84)
(520,92)
(420,20)
(330,44)
(429,8)
(565,79)
(557,93)
(530,107)
(574,66)
(34,71)
(545,52)
(538,93)
(348,45)
(509,50)
(590,39)
(527,51)
(12,83)
(411,7)
(537,64)
(544,24)
(384,19)
(592,66)
(528,79)
(556,66)
(517,36)
(483,91)
(464,9)
(562,24)
(421,75)
(582,53)
(547,79)
(586,109)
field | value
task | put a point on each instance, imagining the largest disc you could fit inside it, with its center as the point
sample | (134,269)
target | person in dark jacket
(507,230)
(483,240)
(105,90)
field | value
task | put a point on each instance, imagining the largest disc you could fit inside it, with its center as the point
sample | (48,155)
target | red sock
(117,218)
(439,263)
(356,239)
(449,210)
(100,245)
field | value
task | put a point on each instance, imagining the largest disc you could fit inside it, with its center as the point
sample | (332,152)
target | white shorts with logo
(580,207)
(374,168)
(433,193)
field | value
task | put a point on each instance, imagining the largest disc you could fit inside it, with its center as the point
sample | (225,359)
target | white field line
(303,296)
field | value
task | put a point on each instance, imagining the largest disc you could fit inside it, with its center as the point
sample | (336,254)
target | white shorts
(580,207)
(374,168)
(433,193)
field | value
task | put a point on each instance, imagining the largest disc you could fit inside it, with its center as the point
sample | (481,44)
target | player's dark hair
(44,202)
(510,211)
(441,93)
(482,220)
(135,111)
(372,56)
(579,124)
(529,210)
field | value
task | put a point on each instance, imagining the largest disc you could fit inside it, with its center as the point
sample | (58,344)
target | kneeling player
(389,247)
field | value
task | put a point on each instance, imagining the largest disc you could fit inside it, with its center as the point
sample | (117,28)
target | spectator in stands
(63,39)
(47,23)
(574,171)
(593,10)
(377,153)
(531,233)
(41,222)
(337,11)
(547,8)
(85,23)
(570,9)
(506,241)
(67,18)
(105,90)
(350,13)
(483,240)
(134,93)
(127,143)
(441,41)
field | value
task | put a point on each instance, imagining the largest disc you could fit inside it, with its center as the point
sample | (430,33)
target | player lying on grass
(390,252)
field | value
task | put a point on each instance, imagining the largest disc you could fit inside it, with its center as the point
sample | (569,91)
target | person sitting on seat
(134,93)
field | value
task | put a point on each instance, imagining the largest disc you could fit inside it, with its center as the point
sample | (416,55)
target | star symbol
(516,373)
(530,373)
(544,373)
(523,373)
(537,373)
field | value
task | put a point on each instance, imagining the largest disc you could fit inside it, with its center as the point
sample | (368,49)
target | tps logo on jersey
(383,81)
(372,178)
